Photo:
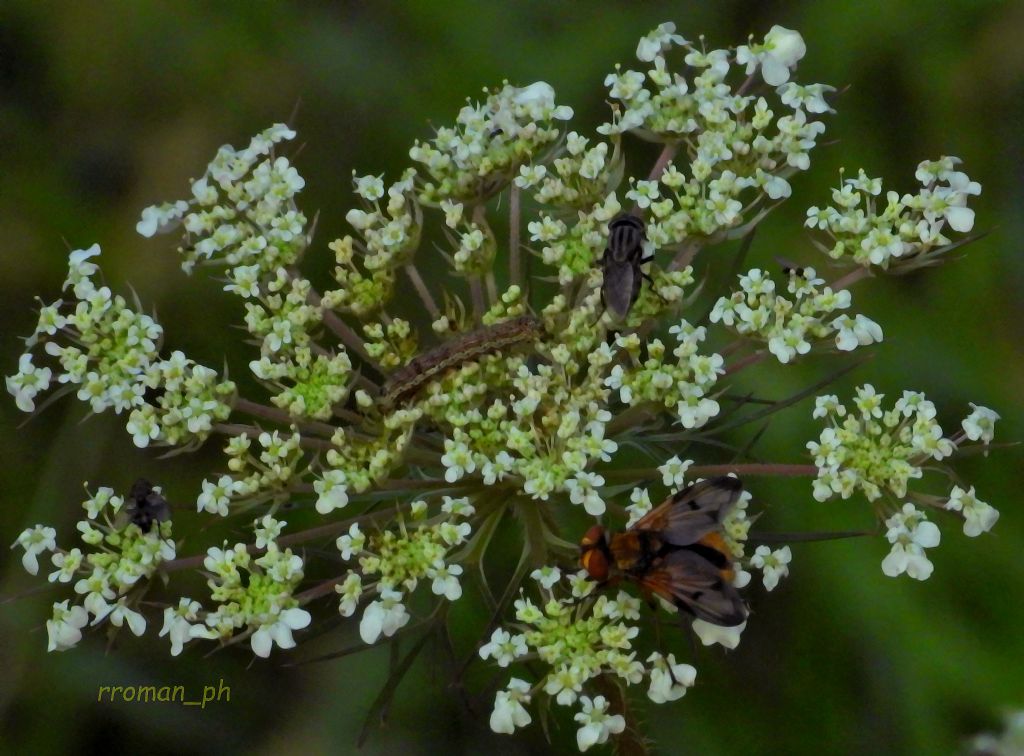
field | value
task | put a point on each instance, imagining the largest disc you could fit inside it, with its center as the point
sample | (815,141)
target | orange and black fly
(677,552)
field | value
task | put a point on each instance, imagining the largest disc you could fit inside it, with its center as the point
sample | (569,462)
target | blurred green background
(108,107)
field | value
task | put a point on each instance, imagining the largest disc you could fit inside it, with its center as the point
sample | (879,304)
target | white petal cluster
(874,450)
(242,210)
(253,594)
(682,384)
(907,232)
(477,157)
(118,558)
(392,563)
(577,638)
(791,326)
(597,723)
(910,533)
(735,141)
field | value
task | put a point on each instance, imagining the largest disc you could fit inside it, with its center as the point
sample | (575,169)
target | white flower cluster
(242,212)
(909,231)
(254,477)
(112,355)
(873,449)
(732,140)
(308,385)
(399,559)
(682,385)
(390,235)
(483,152)
(577,637)
(254,593)
(582,177)
(789,326)
(122,556)
(880,451)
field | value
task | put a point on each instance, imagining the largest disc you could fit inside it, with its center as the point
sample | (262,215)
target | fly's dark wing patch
(690,514)
(697,587)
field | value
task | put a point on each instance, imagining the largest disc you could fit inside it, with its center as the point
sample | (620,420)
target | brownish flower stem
(340,329)
(476,292)
(683,257)
(745,362)
(850,278)
(278,415)
(667,153)
(515,272)
(321,589)
(422,290)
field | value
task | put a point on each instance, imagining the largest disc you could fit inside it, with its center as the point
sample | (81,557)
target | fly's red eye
(592,537)
(595,563)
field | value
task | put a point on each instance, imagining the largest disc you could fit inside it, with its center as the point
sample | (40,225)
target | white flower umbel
(906,232)
(875,450)
(910,534)
(790,327)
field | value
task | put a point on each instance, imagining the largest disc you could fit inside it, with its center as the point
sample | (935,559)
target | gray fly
(620,264)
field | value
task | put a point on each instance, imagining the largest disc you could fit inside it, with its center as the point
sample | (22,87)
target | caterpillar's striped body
(409,379)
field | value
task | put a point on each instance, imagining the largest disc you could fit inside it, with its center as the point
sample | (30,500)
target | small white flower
(35,541)
(352,543)
(979,517)
(773,564)
(654,42)
(332,491)
(504,647)
(857,331)
(457,459)
(597,723)
(980,425)
(216,496)
(910,534)
(27,383)
(351,591)
(178,623)
(267,530)
(279,631)
(727,637)
(383,617)
(121,614)
(65,629)
(446,581)
(673,471)
(370,188)
(509,712)
(547,576)
(669,680)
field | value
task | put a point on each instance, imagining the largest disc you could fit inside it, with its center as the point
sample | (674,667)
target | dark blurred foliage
(108,107)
